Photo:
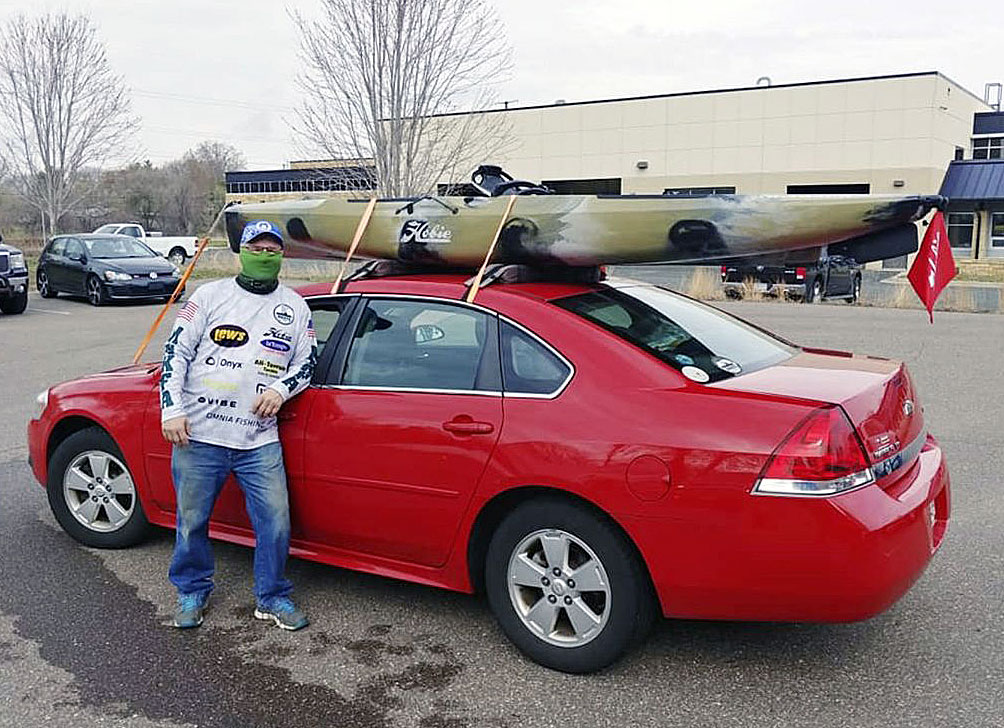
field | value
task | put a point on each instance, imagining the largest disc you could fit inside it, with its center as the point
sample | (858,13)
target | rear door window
(703,343)
(529,367)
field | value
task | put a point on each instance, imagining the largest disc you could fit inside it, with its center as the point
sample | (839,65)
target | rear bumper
(838,559)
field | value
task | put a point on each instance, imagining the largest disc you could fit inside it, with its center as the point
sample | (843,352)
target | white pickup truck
(175,249)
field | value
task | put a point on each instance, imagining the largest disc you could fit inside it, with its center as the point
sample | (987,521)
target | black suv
(811,281)
(13,279)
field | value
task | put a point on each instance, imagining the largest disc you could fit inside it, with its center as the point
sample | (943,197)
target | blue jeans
(199,471)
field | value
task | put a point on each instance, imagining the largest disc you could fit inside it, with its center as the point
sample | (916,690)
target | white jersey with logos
(228,345)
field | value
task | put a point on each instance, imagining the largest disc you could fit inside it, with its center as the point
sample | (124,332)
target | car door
(74,267)
(838,283)
(229,510)
(52,259)
(399,437)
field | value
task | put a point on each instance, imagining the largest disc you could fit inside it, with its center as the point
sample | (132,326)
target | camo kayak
(591,230)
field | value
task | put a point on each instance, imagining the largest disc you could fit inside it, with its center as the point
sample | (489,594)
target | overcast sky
(224,69)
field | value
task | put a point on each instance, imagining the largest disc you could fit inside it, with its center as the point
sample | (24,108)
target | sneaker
(284,613)
(188,613)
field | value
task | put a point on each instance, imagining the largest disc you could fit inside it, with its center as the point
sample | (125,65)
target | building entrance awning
(974,180)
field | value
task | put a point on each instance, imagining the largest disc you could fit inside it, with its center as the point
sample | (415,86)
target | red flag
(934,265)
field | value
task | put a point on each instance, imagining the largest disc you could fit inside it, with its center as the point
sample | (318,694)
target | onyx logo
(228,335)
(217,402)
(423,231)
(283,313)
(224,363)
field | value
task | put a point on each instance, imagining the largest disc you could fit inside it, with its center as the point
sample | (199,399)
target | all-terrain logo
(424,232)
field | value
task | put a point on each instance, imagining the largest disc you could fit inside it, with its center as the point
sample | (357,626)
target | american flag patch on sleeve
(188,311)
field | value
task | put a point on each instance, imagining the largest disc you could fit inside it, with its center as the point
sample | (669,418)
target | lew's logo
(228,335)
(422,231)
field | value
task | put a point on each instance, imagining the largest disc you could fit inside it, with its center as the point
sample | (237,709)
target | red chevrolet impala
(590,454)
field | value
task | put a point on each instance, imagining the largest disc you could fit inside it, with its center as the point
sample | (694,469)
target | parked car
(13,279)
(588,454)
(812,281)
(175,249)
(104,268)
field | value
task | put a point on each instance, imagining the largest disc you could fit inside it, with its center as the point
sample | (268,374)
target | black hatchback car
(103,268)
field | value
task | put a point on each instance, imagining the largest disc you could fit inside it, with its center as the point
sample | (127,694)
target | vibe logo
(218,402)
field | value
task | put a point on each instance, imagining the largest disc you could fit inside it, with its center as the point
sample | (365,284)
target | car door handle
(468,426)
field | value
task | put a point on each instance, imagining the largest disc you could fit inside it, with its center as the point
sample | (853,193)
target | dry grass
(704,285)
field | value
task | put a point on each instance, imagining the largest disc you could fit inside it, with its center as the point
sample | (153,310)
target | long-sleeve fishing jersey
(228,345)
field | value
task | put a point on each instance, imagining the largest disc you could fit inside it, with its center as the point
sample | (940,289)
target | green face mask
(260,265)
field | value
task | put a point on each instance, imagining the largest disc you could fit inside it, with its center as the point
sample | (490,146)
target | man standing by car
(241,347)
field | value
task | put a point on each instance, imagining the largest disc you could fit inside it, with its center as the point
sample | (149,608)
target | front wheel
(92,493)
(96,295)
(566,587)
(15,303)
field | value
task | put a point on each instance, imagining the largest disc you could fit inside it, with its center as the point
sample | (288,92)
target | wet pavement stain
(198,676)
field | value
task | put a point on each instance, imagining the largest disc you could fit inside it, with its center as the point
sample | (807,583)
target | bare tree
(62,109)
(384,80)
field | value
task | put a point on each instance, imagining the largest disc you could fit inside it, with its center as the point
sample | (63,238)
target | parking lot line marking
(49,310)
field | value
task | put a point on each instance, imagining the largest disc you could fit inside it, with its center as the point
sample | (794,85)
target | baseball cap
(260,228)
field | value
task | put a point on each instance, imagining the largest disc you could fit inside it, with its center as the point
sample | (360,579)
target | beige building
(892,134)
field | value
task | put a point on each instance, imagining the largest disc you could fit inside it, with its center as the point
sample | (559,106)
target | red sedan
(588,454)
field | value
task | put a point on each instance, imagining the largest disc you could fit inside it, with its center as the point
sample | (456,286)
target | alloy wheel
(94,292)
(99,491)
(43,284)
(559,588)
(177,257)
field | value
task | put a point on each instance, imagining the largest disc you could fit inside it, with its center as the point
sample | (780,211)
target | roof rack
(523,273)
(497,273)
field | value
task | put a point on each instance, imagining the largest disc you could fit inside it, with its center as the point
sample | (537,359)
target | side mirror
(428,332)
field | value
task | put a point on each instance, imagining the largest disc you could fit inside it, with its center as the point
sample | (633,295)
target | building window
(698,191)
(960,233)
(997,232)
(848,189)
(988,148)
(610,186)
(959,153)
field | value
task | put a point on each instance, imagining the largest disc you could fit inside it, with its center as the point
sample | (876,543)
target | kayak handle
(410,207)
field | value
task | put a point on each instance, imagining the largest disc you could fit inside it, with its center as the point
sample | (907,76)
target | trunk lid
(877,394)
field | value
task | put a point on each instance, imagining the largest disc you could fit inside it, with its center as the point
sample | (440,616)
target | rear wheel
(45,289)
(855,290)
(14,303)
(92,494)
(96,295)
(814,293)
(566,587)
(177,256)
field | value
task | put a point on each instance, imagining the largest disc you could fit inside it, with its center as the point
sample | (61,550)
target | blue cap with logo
(261,228)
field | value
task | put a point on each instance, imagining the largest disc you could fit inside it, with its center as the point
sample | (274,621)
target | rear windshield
(703,343)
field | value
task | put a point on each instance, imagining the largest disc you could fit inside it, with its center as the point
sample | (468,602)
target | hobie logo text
(422,231)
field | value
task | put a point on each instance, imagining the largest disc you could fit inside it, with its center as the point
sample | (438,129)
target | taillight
(800,274)
(821,456)
(724,273)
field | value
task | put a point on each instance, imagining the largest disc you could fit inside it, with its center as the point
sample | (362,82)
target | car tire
(607,619)
(855,291)
(45,289)
(814,293)
(92,493)
(15,303)
(733,294)
(96,294)
(177,256)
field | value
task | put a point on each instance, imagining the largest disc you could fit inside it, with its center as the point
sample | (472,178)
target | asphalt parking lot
(84,637)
